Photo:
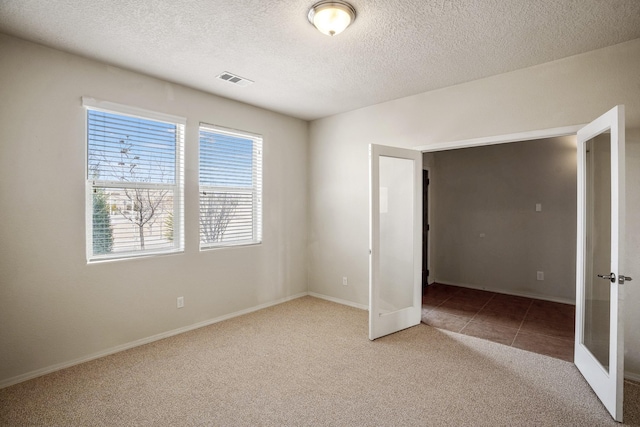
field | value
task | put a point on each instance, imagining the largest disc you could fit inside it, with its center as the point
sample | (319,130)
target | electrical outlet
(180,302)
(539,275)
(344,281)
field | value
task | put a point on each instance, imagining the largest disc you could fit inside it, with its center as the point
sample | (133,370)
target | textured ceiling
(395,48)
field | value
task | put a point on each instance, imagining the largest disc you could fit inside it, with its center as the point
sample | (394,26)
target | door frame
(503,139)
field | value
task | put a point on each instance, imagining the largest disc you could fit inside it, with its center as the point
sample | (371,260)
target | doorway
(605,380)
(504,253)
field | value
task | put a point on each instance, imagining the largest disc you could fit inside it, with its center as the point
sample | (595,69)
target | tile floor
(539,326)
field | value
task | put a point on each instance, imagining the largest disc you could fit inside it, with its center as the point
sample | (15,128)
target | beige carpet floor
(308,362)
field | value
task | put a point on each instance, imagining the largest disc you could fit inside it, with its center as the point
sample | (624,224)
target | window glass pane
(134,183)
(226,217)
(225,160)
(132,219)
(230,188)
(130,149)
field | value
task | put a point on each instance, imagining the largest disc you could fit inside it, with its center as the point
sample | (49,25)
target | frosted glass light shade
(331,17)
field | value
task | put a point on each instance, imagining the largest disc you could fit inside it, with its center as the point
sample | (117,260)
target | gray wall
(566,92)
(485,230)
(55,308)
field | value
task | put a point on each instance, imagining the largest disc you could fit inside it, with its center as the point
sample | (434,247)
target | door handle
(611,277)
(622,278)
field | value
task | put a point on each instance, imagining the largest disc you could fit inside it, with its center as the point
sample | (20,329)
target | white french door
(599,344)
(395,266)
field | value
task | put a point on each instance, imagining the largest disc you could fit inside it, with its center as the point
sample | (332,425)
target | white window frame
(255,190)
(177,188)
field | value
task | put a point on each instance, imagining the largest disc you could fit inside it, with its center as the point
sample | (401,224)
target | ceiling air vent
(232,78)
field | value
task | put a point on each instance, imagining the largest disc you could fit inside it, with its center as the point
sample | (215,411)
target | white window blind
(230,187)
(134,184)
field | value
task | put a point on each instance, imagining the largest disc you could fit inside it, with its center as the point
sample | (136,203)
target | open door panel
(395,275)
(599,343)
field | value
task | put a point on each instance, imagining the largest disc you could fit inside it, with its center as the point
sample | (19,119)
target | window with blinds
(134,181)
(230,187)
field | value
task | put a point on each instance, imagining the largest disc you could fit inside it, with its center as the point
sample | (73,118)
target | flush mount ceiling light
(331,17)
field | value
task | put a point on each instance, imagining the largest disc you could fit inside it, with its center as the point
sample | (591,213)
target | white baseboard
(340,301)
(510,292)
(632,376)
(59,366)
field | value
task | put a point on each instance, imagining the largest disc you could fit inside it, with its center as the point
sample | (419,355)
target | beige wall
(485,230)
(54,307)
(566,92)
